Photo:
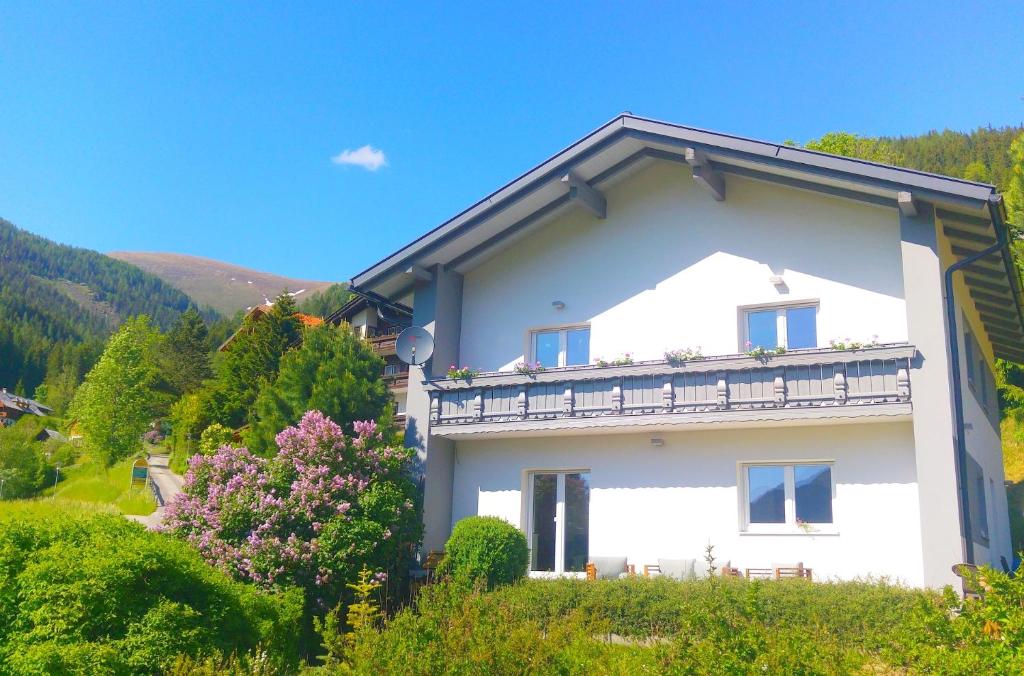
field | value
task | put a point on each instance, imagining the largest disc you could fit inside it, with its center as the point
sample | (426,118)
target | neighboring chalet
(379,321)
(257,313)
(775,438)
(13,407)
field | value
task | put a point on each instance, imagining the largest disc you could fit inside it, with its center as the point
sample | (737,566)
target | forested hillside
(981,155)
(58,304)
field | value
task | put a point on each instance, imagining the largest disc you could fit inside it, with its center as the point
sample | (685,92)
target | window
(792,327)
(561,347)
(969,356)
(390,369)
(559,521)
(785,496)
(982,507)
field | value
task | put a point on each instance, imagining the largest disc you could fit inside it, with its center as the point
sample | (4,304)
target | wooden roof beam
(585,195)
(705,175)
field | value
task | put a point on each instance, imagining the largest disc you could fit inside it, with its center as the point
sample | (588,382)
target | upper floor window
(969,356)
(561,347)
(787,496)
(789,326)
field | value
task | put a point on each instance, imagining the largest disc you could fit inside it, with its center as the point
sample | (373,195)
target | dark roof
(394,312)
(9,400)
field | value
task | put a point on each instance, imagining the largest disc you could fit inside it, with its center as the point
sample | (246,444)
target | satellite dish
(414,345)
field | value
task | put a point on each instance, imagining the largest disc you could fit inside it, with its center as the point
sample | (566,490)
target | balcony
(383,345)
(801,385)
(397,381)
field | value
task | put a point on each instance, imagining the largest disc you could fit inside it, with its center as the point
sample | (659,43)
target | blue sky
(210,128)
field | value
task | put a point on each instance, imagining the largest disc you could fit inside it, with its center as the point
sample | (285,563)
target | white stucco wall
(649,502)
(669,266)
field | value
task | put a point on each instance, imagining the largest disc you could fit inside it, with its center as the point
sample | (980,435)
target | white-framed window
(559,521)
(969,356)
(565,346)
(788,497)
(390,369)
(792,326)
(982,507)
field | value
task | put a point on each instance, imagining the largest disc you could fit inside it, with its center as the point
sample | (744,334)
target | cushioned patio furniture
(682,569)
(609,568)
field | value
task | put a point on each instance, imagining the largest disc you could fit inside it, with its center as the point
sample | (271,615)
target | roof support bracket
(705,175)
(584,194)
(420,273)
(907,204)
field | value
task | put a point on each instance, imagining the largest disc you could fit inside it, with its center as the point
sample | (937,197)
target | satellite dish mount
(415,345)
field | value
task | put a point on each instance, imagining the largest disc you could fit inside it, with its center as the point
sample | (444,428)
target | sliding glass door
(559,521)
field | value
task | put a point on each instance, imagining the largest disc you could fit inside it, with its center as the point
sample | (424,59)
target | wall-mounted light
(777,280)
(657,441)
(558,305)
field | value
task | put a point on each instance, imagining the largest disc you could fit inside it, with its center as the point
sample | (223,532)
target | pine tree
(252,360)
(184,357)
(1015,185)
(334,372)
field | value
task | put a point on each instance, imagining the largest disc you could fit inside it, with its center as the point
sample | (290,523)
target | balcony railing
(383,345)
(397,381)
(795,381)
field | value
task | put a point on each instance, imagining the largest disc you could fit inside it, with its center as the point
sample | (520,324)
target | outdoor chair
(968,574)
(431,563)
(609,568)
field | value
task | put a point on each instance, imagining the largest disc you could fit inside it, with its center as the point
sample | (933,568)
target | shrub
(94,593)
(709,626)
(213,437)
(488,548)
(22,466)
(312,516)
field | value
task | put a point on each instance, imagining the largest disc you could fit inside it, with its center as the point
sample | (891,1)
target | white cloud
(367,157)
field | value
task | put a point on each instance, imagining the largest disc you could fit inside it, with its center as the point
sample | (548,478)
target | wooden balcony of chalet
(384,343)
(397,381)
(798,386)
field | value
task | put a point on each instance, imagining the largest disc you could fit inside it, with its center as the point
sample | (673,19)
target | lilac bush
(313,515)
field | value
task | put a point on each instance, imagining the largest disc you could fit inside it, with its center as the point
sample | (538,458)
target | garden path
(166,484)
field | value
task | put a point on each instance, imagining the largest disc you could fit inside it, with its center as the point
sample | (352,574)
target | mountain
(225,287)
(58,303)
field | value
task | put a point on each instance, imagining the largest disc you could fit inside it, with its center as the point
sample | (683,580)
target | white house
(645,237)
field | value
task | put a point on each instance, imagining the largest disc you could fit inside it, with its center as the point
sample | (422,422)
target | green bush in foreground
(711,626)
(96,594)
(487,548)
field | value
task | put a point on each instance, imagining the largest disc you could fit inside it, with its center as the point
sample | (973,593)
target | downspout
(958,396)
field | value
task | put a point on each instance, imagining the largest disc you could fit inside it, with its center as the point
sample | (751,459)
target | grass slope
(88,483)
(225,287)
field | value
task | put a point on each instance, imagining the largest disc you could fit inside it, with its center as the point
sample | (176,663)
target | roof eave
(929,187)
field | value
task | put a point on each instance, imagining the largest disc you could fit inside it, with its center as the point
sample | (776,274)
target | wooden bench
(780,572)
(727,571)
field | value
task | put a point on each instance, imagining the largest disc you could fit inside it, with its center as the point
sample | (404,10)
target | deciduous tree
(114,405)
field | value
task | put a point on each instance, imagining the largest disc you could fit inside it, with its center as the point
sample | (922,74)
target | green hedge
(486,548)
(702,626)
(94,593)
